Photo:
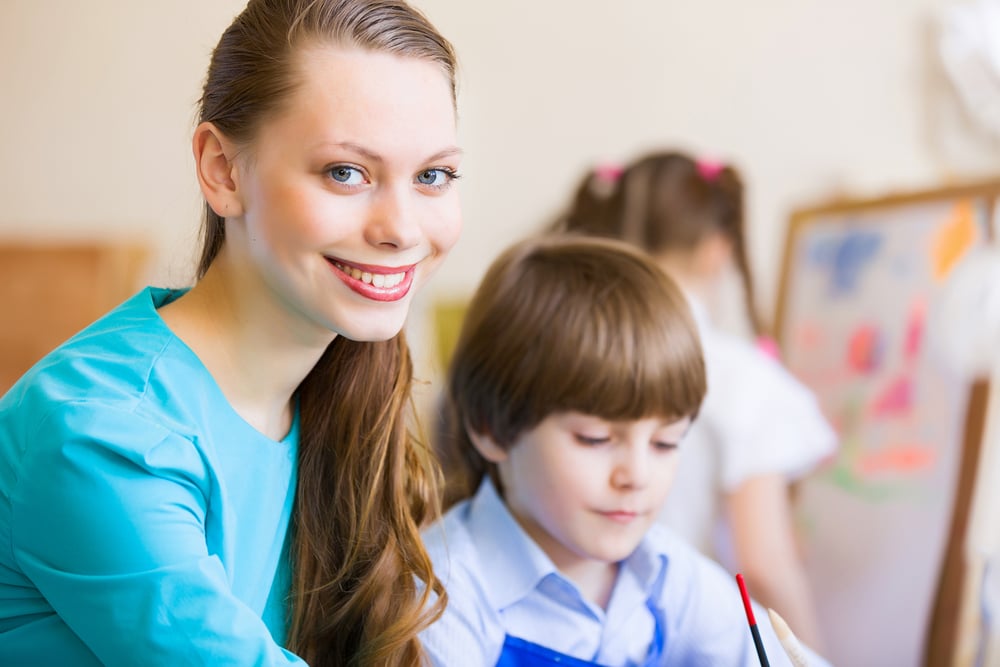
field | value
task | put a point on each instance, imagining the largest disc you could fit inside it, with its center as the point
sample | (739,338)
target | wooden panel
(49,292)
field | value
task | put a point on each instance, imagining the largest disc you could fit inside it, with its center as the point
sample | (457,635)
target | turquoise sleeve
(109,523)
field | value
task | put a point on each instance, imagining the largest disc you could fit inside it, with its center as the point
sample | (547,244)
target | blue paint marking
(845,256)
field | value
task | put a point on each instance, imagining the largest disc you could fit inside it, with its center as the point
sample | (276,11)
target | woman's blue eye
(346,175)
(436,177)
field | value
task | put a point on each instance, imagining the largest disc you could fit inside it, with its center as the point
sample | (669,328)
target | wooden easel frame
(952,607)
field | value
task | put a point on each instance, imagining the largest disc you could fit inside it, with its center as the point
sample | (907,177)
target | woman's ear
(489,448)
(217,173)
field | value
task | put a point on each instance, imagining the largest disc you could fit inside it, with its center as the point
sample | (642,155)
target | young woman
(223,475)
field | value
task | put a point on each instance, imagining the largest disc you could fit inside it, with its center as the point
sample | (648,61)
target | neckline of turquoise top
(161,296)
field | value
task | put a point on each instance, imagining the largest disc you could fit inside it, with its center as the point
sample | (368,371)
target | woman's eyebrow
(375,157)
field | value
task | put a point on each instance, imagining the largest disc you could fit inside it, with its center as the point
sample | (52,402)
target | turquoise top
(142,521)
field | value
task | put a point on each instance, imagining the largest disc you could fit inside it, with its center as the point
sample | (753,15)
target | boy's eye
(591,439)
(662,445)
(347,175)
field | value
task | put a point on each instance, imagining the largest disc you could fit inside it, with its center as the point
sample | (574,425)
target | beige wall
(96,113)
(808,98)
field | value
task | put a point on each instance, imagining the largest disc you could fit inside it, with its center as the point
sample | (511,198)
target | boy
(576,375)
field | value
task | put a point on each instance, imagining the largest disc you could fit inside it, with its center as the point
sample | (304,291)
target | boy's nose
(632,467)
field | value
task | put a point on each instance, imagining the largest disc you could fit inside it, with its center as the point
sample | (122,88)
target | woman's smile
(378,283)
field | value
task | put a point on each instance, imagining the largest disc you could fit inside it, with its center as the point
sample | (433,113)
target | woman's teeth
(377,279)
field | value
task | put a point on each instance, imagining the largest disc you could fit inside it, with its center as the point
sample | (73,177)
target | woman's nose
(393,218)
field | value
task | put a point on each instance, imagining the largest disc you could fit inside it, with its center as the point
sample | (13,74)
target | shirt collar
(642,573)
(514,564)
(647,562)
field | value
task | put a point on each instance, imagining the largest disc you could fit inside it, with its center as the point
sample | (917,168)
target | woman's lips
(378,283)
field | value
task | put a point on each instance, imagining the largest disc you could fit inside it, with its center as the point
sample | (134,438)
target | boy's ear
(486,445)
(217,172)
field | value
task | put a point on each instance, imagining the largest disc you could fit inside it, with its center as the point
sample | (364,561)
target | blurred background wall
(810,99)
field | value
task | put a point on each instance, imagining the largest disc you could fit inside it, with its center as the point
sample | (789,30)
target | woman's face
(348,195)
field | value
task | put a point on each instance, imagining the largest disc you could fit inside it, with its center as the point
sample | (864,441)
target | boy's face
(586,489)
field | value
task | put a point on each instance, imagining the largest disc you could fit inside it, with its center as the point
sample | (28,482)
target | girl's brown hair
(560,323)
(667,201)
(364,484)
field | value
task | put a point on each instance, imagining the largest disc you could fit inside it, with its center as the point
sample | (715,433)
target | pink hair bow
(769,347)
(710,169)
(608,172)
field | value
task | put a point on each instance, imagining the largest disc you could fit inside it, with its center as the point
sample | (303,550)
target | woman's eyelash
(345,173)
(450,176)
(342,173)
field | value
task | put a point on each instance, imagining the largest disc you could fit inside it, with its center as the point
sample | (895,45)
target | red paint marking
(865,349)
(915,331)
(896,399)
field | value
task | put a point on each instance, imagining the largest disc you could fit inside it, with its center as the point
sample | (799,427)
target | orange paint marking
(953,239)
(897,458)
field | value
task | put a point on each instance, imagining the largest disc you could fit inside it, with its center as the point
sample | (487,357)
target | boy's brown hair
(566,323)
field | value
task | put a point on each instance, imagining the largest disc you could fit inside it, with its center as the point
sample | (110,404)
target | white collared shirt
(500,582)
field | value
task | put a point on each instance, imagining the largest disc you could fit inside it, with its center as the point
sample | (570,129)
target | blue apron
(518,652)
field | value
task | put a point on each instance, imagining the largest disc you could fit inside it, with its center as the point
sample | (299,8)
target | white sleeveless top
(756,419)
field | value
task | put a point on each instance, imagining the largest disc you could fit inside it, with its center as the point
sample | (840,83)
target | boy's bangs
(575,325)
(634,360)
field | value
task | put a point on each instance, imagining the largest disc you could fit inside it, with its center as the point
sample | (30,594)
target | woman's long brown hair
(363,585)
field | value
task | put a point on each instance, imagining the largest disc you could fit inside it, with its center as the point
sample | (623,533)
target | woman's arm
(109,520)
(760,517)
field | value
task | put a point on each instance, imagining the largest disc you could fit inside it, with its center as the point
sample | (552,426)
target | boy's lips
(621,516)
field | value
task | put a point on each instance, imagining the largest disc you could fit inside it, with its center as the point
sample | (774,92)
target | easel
(953,609)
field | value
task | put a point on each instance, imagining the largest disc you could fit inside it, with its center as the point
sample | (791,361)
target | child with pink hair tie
(759,428)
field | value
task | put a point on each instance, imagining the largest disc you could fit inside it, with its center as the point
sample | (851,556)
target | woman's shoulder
(127,368)
(117,359)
